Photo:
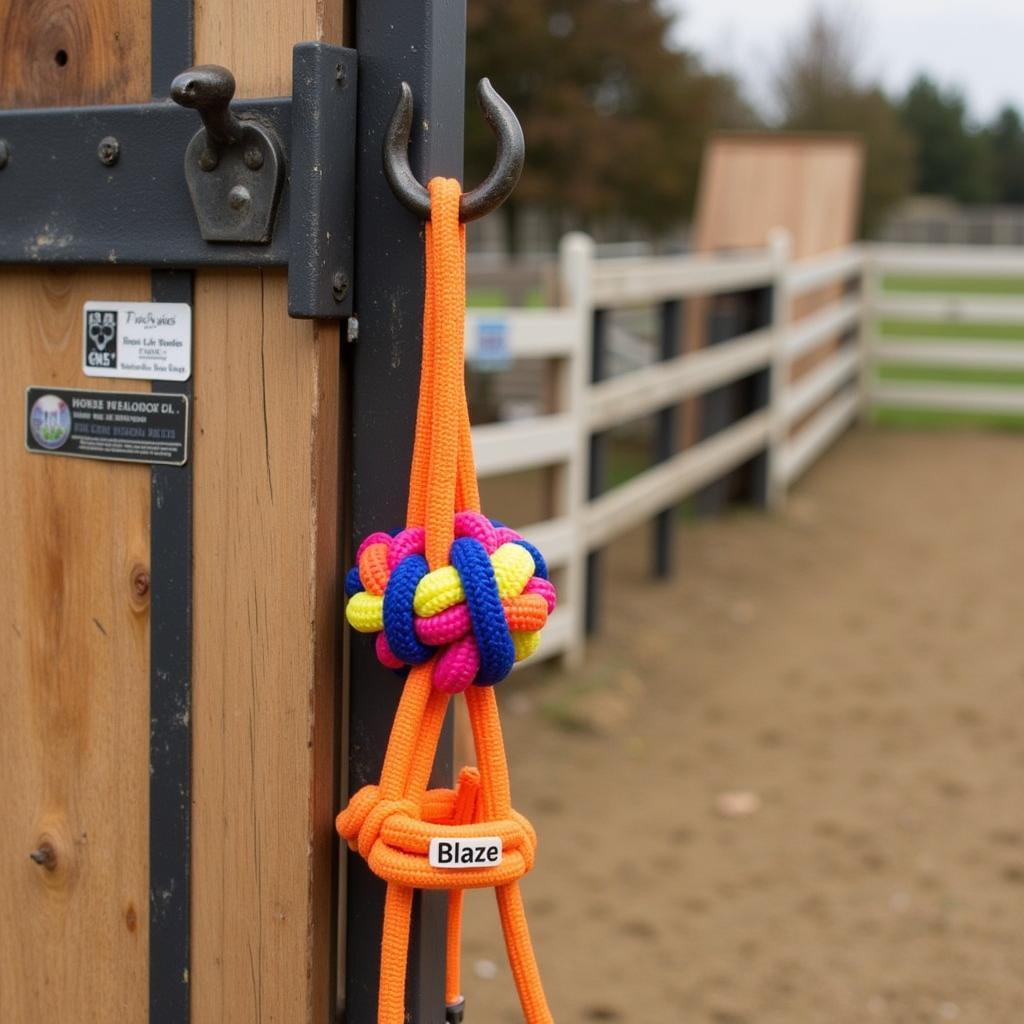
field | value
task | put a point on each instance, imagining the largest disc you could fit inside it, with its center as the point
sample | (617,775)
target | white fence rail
(821,354)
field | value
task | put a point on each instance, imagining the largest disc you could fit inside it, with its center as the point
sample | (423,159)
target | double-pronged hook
(495,188)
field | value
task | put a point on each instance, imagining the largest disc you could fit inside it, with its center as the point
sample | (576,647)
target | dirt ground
(786,788)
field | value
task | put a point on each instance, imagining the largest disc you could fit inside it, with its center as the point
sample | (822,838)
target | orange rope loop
(458,598)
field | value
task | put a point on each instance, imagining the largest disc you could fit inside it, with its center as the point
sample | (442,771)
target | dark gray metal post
(665,436)
(424,45)
(170,669)
(597,479)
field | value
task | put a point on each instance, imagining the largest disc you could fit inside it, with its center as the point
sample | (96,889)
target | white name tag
(137,340)
(483,852)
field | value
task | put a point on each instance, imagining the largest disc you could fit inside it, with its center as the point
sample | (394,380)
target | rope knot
(394,836)
(479,614)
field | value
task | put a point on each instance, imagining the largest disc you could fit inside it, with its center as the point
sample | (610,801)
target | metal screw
(5,153)
(108,151)
(253,158)
(208,159)
(45,856)
(239,198)
(339,285)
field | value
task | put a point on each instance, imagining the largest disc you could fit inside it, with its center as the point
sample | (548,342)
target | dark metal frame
(170,638)
(424,45)
(129,202)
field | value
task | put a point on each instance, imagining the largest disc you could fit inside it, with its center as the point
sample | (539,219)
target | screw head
(339,74)
(5,153)
(208,159)
(109,150)
(339,285)
(239,198)
(253,158)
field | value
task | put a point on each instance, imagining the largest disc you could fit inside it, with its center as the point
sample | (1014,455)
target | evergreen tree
(950,159)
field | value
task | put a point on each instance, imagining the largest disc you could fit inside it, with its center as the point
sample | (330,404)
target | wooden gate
(145,609)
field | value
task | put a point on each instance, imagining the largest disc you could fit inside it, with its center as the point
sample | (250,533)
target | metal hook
(208,88)
(490,193)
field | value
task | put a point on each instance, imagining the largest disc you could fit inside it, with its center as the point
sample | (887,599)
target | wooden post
(781,245)
(576,255)
(75,640)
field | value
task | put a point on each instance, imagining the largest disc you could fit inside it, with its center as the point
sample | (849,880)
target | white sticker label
(138,340)
(483,852)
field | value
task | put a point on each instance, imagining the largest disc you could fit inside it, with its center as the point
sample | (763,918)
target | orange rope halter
(392,823)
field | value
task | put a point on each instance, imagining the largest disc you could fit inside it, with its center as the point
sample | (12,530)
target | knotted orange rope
(392,823)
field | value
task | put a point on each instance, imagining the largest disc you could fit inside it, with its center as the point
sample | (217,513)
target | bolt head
(5,153)
(208,160)
(253,158)
(339,285)
(109,150)
(239,197)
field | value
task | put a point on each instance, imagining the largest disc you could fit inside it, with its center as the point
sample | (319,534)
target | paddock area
(784,788)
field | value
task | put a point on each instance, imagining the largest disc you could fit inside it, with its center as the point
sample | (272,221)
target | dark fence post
(597,479)
(666,435)
(758,305)
(424,45)
(717,407)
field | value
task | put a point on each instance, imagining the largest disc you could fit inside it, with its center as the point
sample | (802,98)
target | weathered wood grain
(266,421)
(74,632)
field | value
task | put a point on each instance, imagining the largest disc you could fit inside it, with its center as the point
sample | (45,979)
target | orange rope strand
(391,824)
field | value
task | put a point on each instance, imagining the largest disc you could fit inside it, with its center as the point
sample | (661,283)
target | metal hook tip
(496,187)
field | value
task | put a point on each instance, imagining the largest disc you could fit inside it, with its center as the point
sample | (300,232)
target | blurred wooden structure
(753,182)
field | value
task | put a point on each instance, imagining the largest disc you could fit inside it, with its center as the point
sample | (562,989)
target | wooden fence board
(266,427)
(74,634)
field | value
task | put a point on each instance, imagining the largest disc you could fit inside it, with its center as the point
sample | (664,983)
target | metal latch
(263,183)
(234,168)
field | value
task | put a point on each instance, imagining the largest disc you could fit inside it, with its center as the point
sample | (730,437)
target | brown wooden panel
(751,182)
(808,184)
(266,418)
(74,639)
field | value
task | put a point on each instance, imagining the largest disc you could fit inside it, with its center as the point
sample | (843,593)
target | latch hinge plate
(108,185)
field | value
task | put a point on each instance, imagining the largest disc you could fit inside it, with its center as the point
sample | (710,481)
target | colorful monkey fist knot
(480,614)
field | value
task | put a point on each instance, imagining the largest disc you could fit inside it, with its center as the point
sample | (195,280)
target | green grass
(495,298)
(951,374)
(927,329)
(924,419)
(964,285)
(921,419)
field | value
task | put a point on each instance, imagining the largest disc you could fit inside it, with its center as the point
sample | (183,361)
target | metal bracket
(127,184)
(234,168)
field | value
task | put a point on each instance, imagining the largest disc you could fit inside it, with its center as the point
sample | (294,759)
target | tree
(950,160)
(819,89)
(615,118)
(1006,142)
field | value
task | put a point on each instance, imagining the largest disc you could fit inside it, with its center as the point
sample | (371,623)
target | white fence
(818,350)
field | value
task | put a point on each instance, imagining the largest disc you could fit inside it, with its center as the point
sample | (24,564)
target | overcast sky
(977,45)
